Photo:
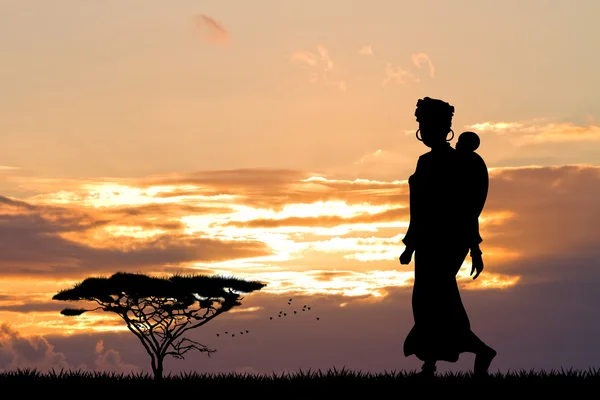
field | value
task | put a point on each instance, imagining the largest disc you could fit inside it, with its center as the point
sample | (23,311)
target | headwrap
(435,111)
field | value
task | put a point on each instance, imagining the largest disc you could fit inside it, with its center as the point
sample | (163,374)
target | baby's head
(468,141)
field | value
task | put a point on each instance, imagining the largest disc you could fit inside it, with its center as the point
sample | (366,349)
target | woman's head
(435,120)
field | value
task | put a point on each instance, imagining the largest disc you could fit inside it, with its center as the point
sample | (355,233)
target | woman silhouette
(447,193)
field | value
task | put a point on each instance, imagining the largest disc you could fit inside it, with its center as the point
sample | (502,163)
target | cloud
(270,189)
(516,226)
(402,76)
(36,352)
(366,50)
(214,32)
(398,75)
(498,127)
(305,57)
(205,182)
(552,209)
(25,305)
(287,228)
(323,65)
(110,360)
(324,56)
(17,351)
(325,221)
(380,164)
(531,133)
(420,58)
(73,241)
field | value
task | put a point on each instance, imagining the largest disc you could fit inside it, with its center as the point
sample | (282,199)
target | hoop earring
(417,134)
(452,137)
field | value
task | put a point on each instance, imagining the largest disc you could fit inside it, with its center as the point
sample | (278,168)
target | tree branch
(184,345)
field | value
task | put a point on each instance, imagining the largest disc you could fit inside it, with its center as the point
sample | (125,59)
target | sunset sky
(272,140)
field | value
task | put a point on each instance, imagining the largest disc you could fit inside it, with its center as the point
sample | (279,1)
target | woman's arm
(475,250)
(411,236)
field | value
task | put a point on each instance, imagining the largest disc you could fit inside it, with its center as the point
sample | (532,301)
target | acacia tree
(159,311)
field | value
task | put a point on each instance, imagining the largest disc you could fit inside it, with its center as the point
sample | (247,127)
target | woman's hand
(406,256)
(477,264)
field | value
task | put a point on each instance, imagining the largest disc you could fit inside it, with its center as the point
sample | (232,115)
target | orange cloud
(390,215)
(403,76)
(213,31)
(322,62)
(420,58)
(75,241)
(17,351)
(366,50)
(298,231)
(110,360)
(398,75)
(305,57)
(528,133)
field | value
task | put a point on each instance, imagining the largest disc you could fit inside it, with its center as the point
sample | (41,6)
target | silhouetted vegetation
(159,311)
(317,383)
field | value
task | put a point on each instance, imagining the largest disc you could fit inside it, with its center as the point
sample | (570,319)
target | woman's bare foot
(483,360)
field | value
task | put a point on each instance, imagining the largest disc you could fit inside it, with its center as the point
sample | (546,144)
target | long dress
(447,192)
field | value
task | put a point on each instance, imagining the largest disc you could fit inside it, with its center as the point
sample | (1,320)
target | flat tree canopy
(157,310)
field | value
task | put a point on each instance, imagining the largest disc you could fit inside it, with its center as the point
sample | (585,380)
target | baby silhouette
(468,141)
(476,170)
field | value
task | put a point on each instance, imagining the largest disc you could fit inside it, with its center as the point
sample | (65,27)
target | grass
(340,382)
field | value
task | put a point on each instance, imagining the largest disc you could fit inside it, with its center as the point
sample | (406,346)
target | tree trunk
(157,368)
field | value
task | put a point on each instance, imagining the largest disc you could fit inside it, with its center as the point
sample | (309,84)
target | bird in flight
(305,307)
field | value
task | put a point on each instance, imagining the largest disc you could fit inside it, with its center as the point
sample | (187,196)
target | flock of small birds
(280,315)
